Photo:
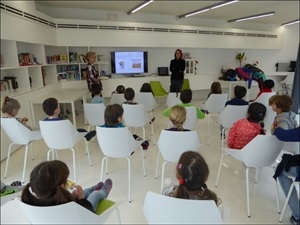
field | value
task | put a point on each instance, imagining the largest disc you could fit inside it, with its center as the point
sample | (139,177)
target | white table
(68,95)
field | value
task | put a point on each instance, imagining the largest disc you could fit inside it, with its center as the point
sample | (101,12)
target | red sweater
(263,90)
(242,132)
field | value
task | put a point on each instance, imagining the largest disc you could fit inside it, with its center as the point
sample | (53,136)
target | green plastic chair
(157,89)
(186,84)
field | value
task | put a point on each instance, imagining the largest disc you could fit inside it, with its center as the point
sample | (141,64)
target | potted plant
(240,57)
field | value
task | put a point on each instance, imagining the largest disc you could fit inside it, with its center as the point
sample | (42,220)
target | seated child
(129,95)
(96,91)
(177,117)
(192,173)
(113,116)
(239,94)
(52,109)
(146,87)
(285,118)
(244,130)
(215,88)
(186,98)
(48,187)
(10,109)
(119,90)
(267,87)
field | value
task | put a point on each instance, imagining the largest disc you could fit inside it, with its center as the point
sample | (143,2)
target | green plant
(240,57)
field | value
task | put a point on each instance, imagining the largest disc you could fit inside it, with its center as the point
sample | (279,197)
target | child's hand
(78,192)
(24,119)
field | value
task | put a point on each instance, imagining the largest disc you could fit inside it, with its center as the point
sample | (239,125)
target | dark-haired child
(129,95)
(119,90)
(146,87)
(267,87)
(239,94)
(215,88)
(96,91)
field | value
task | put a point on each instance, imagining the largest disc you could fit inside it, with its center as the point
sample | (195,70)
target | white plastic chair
(172,144)
(68,213)
(191,118)
(160,209)
(60,135)
(214,105)
(295,185)
(270,114)
(118,143)
(147,99)
(94,114)
(117,99)
(173,100)
(262,151)
(231,114)
(137,117)
(19,135)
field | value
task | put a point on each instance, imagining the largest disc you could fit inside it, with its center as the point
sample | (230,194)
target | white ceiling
(285,11)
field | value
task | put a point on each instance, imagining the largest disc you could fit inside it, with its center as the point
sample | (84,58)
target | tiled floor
(231,189)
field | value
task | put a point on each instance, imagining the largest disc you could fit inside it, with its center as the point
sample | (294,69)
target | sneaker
(294,221)
(145,145)
(16,183)
(99,185)
(107,186)
(152,120)
(90,135)
(137,138)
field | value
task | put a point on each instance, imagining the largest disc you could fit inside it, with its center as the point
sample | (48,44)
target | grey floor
(231,189)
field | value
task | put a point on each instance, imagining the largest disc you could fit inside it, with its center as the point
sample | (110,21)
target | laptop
(163,71)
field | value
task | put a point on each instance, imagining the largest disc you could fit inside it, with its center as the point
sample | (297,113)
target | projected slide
(129,62)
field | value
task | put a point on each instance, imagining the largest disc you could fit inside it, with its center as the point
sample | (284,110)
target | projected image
(129,62)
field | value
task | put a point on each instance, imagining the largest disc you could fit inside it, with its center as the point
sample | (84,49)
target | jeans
(95,196)
(179,83)
(285,184)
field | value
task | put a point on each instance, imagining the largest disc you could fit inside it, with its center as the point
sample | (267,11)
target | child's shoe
(145,145)
(152,120)
(99,185)
(108,186)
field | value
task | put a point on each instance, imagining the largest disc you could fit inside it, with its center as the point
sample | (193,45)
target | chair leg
(106,165)
(143,161)
(7,160)
(118,215)
(88,151)
(56,154)
(219,170)
(256,175)
(209,131)
(247,188)
(24,165)
(32,152)
(277,197)
(74,166)
(102,167)
(129,197)
(162,175)
(153,137)
(222,135)
(144,133)
(156,172)
(48,154)
(287,201)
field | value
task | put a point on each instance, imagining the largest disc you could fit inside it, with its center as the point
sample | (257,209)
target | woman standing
(92,75)
(177,67)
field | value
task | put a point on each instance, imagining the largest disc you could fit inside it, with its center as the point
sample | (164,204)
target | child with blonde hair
(192,173)
(10,109)
(177,117)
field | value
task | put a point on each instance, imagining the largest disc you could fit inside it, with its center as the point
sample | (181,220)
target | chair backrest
(157,89)
(160,209)
(59,134)
(261,151)
(216,103)
(186,84)
(172,144)
(172,99)
(16,131)
(231,114)
(116,142)
(135,115)
(94,113)
(69,213)
(117,99)
(191,118)
(270,115)
(147,99)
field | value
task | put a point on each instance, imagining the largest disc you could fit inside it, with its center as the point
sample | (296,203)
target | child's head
(256,112)
(268,83)
(51,107)
(186,96)
(113,115)
(146,87)
(96,89)
(10,106)
(240,91)
(192,172)
(215,88)
(91,57)
(281,103)
(178,116)
(129,94)
(47,182)
(120,89)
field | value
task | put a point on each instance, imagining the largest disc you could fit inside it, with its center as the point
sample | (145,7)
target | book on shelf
(12,82)
(4,85)
(55,59)
(26,59)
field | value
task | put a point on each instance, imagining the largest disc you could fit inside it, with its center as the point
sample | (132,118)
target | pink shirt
(242,132)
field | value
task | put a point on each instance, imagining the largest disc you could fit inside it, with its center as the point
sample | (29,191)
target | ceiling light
(206,9)
(252,17)
(139,7)
(290,23)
